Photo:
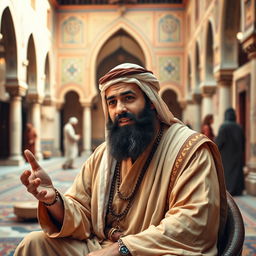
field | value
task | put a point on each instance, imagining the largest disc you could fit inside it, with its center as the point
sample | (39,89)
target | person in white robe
(70,143)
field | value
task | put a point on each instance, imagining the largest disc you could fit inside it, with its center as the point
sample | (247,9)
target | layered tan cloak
(170,215)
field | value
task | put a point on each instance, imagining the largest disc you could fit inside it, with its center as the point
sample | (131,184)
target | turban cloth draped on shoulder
(125,73)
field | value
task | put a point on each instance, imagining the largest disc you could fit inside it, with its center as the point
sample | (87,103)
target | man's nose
(121,107)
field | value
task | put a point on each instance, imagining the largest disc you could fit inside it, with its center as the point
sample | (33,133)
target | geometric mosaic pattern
(169,29)
(72,70)
(72,31)
(169,69)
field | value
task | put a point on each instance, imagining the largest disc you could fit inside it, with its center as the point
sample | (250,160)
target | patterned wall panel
(169,69)
(169,29)
(249,13)
(72,31)
(72,70)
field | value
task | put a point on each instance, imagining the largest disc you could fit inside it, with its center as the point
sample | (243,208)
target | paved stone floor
(12,192)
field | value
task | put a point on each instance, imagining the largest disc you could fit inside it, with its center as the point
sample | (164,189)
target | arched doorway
(30,105)
(98,122)
(121,47)
(72,107)
(170,98)
(8,70)
(209,77)
(47,78)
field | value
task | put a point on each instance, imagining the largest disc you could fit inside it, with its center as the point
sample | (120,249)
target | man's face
(132,121)
(124,98)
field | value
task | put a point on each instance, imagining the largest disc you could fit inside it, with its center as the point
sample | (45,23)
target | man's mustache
(125,115)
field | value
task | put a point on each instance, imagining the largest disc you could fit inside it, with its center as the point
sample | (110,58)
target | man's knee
(31,241)
(35,237)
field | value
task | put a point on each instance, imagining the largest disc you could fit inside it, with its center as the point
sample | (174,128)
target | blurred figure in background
(231,143)
(30,136)
(70,143)
(206,127)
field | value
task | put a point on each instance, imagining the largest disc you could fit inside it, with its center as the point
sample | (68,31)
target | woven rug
(247,206)
(12,229)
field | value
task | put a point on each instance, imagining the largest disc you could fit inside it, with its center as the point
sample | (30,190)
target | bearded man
(155,187)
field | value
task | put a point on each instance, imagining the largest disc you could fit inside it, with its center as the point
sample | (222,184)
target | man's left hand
(111,250)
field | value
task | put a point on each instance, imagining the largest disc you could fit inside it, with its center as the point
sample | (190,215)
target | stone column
(197,111)
(36,101)
(224,83)
(16,92)
(183,105)
(187,118)
(15,132)
(250,180)
(57,130)
(207,104)
(87,129)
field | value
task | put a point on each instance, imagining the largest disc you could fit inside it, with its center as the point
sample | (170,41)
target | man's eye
(111,102)
(129,97)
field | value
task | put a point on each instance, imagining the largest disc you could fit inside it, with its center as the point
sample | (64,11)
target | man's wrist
(123,250)
(57,195)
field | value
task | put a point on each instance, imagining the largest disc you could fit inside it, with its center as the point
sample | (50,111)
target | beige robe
(180,217)
(70,143)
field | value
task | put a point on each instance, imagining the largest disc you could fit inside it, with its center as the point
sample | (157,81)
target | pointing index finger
(31,159)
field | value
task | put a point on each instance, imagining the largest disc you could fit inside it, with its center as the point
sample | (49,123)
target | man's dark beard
(131,140)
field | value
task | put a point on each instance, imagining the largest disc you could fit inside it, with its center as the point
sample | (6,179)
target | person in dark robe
(231,143)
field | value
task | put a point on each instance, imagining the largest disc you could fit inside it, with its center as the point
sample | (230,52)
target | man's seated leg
(38,243)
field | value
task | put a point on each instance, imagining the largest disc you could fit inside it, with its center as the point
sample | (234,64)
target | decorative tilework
(169,69)
(169,29)
(72,31)
(249,10)
(71,70)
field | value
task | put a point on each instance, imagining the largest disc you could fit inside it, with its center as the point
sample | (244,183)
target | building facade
(52,53)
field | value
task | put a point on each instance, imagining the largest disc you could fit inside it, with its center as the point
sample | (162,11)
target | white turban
(132,73)
(73,120)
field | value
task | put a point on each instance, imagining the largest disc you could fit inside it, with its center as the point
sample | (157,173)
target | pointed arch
(172,96)
(103,38)
(70,87)
(197,66)
(209,53)
(172,88)
(9,44)
(120,48)
(47,89)
(32,66)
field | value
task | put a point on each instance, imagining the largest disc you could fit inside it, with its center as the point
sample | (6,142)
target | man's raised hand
(37,181)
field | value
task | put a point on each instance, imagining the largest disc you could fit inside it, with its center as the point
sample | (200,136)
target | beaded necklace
(116,182)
